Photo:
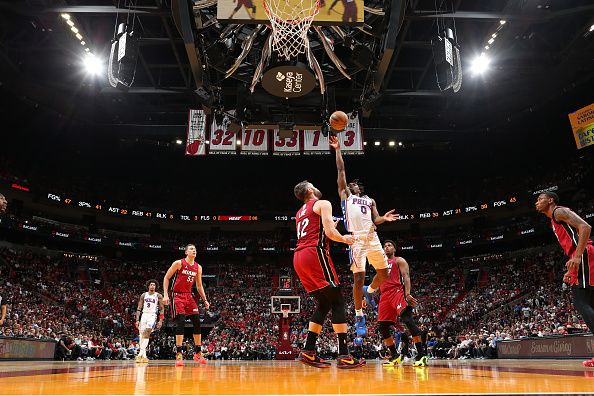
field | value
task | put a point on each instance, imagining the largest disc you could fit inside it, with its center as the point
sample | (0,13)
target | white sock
(143,344)
(370,289)
(359,312)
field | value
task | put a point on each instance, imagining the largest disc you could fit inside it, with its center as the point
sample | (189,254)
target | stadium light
(238,142)
(400,144)
(502,22)
(74,30)
(178,141)
(364,143)
(79,36)
(70,23)
(392,143)
(82,42)
(377,143)
(65,16)
(591,28)
(93,65)
(487,47)
(491,41)
(480,64)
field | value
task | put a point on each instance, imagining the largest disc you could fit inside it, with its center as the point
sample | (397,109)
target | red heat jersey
(184,277)
(310,231)
(568,239)
(394,281)
(566,235)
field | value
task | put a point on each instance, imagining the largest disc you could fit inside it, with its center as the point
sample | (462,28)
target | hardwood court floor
(289,378)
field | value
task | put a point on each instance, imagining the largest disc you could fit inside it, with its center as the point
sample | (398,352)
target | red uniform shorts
(391,305)
(183,304)
(314,268)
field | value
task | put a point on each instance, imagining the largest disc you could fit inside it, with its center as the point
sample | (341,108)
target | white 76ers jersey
(357,214)
(150,303)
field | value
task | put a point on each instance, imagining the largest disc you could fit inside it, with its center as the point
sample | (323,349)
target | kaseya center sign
(288,81)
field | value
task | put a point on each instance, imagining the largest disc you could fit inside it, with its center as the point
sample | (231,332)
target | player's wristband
(161,316)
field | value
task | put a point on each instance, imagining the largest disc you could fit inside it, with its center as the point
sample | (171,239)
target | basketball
(339,120)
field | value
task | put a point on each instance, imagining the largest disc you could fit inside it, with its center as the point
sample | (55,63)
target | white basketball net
(290,21)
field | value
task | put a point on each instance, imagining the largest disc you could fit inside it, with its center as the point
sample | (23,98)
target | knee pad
(196,322)
(384,329)
(180,321)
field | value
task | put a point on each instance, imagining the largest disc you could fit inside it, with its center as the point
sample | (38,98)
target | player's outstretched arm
(584,229)
(324,209)
(200,288)
(174,267)
(343,191)
(405,272)
(377,219)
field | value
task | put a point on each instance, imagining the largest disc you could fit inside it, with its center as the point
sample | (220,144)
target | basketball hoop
(290,20)
(285,313)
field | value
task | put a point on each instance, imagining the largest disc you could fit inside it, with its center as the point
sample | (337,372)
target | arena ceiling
(542,52)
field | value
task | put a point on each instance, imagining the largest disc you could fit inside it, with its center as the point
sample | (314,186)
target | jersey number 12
(301,226)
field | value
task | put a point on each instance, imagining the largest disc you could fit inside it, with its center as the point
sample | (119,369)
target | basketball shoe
(179,359)
(349,362)
(421,362)
(311,359)
(393,362)
(360,326)
(199,358)
(589,363)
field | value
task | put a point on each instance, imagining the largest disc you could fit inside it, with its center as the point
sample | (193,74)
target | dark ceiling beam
(180,10)
(146,69)
(541,16)
(175,51)
(158,40)
(412,93)
(148,90)
(401,40)
(96,9)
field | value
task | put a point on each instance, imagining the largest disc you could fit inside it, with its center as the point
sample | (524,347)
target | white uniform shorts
(367,246)
(147,321)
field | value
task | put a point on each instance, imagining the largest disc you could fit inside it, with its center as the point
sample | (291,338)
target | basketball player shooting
(313,265)
(183,273)
(396,301)
(248,4)
(360,218)
(147,306)
(573,234)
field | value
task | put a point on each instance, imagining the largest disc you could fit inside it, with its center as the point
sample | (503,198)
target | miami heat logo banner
(582,124)
(196,137)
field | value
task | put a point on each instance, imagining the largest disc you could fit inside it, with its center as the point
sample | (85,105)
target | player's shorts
(147,321)
(350,12)
(314,268)
(183,304)
(246,3)
(391,305)
(367,246)
(584,277)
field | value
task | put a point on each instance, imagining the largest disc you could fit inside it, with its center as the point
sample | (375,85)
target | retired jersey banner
(582,124)
(314,142)
(196,136)
(222,140)
(254,142)
(351,140)
(286,146)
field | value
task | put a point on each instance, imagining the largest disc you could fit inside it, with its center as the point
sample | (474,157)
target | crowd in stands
(465,307)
